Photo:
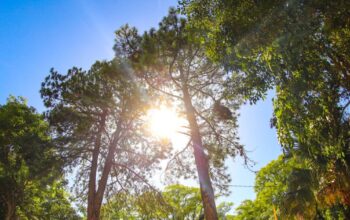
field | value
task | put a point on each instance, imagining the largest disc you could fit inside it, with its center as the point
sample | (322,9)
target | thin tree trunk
(10,211)
(201,160)
(91,209)
(91,215)
(106,170)
(95,196)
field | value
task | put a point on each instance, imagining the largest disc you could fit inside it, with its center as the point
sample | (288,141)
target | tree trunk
(10,210)
(92,213)
(96,197)
(201,160)
(106,170)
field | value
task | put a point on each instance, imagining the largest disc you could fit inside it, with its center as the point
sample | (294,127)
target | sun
(164,122)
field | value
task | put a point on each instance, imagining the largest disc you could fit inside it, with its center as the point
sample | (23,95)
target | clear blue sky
(38,35)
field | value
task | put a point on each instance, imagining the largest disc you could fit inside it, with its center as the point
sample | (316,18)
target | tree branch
(160,90)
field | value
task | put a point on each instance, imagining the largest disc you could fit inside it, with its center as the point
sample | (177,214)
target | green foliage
(249,210)
(175,66)
(184,201)
(175,202)
(206,63)
(287,186)
(28,159)
(120,206)
(270,187)
(98,119)
(265,41)
(48,202)
(301,48)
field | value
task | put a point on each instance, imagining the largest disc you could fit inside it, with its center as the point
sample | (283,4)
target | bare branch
(160,90)
(177,154)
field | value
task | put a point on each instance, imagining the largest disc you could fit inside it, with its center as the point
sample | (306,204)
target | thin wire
(247,186)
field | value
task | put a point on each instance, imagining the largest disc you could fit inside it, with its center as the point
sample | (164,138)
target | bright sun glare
(164,122)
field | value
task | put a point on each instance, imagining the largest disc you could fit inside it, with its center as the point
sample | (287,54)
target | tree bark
(106,170)
(10,210)
(95,195)
(201,160)
(92,213)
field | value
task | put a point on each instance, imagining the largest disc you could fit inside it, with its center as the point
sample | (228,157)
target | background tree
(175,202)
(300,48)
(96,116)
(270,188)
(171,62)
(285,186)
(28,159)
(48,202)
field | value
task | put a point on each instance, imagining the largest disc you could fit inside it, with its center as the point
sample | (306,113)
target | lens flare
(164,122)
